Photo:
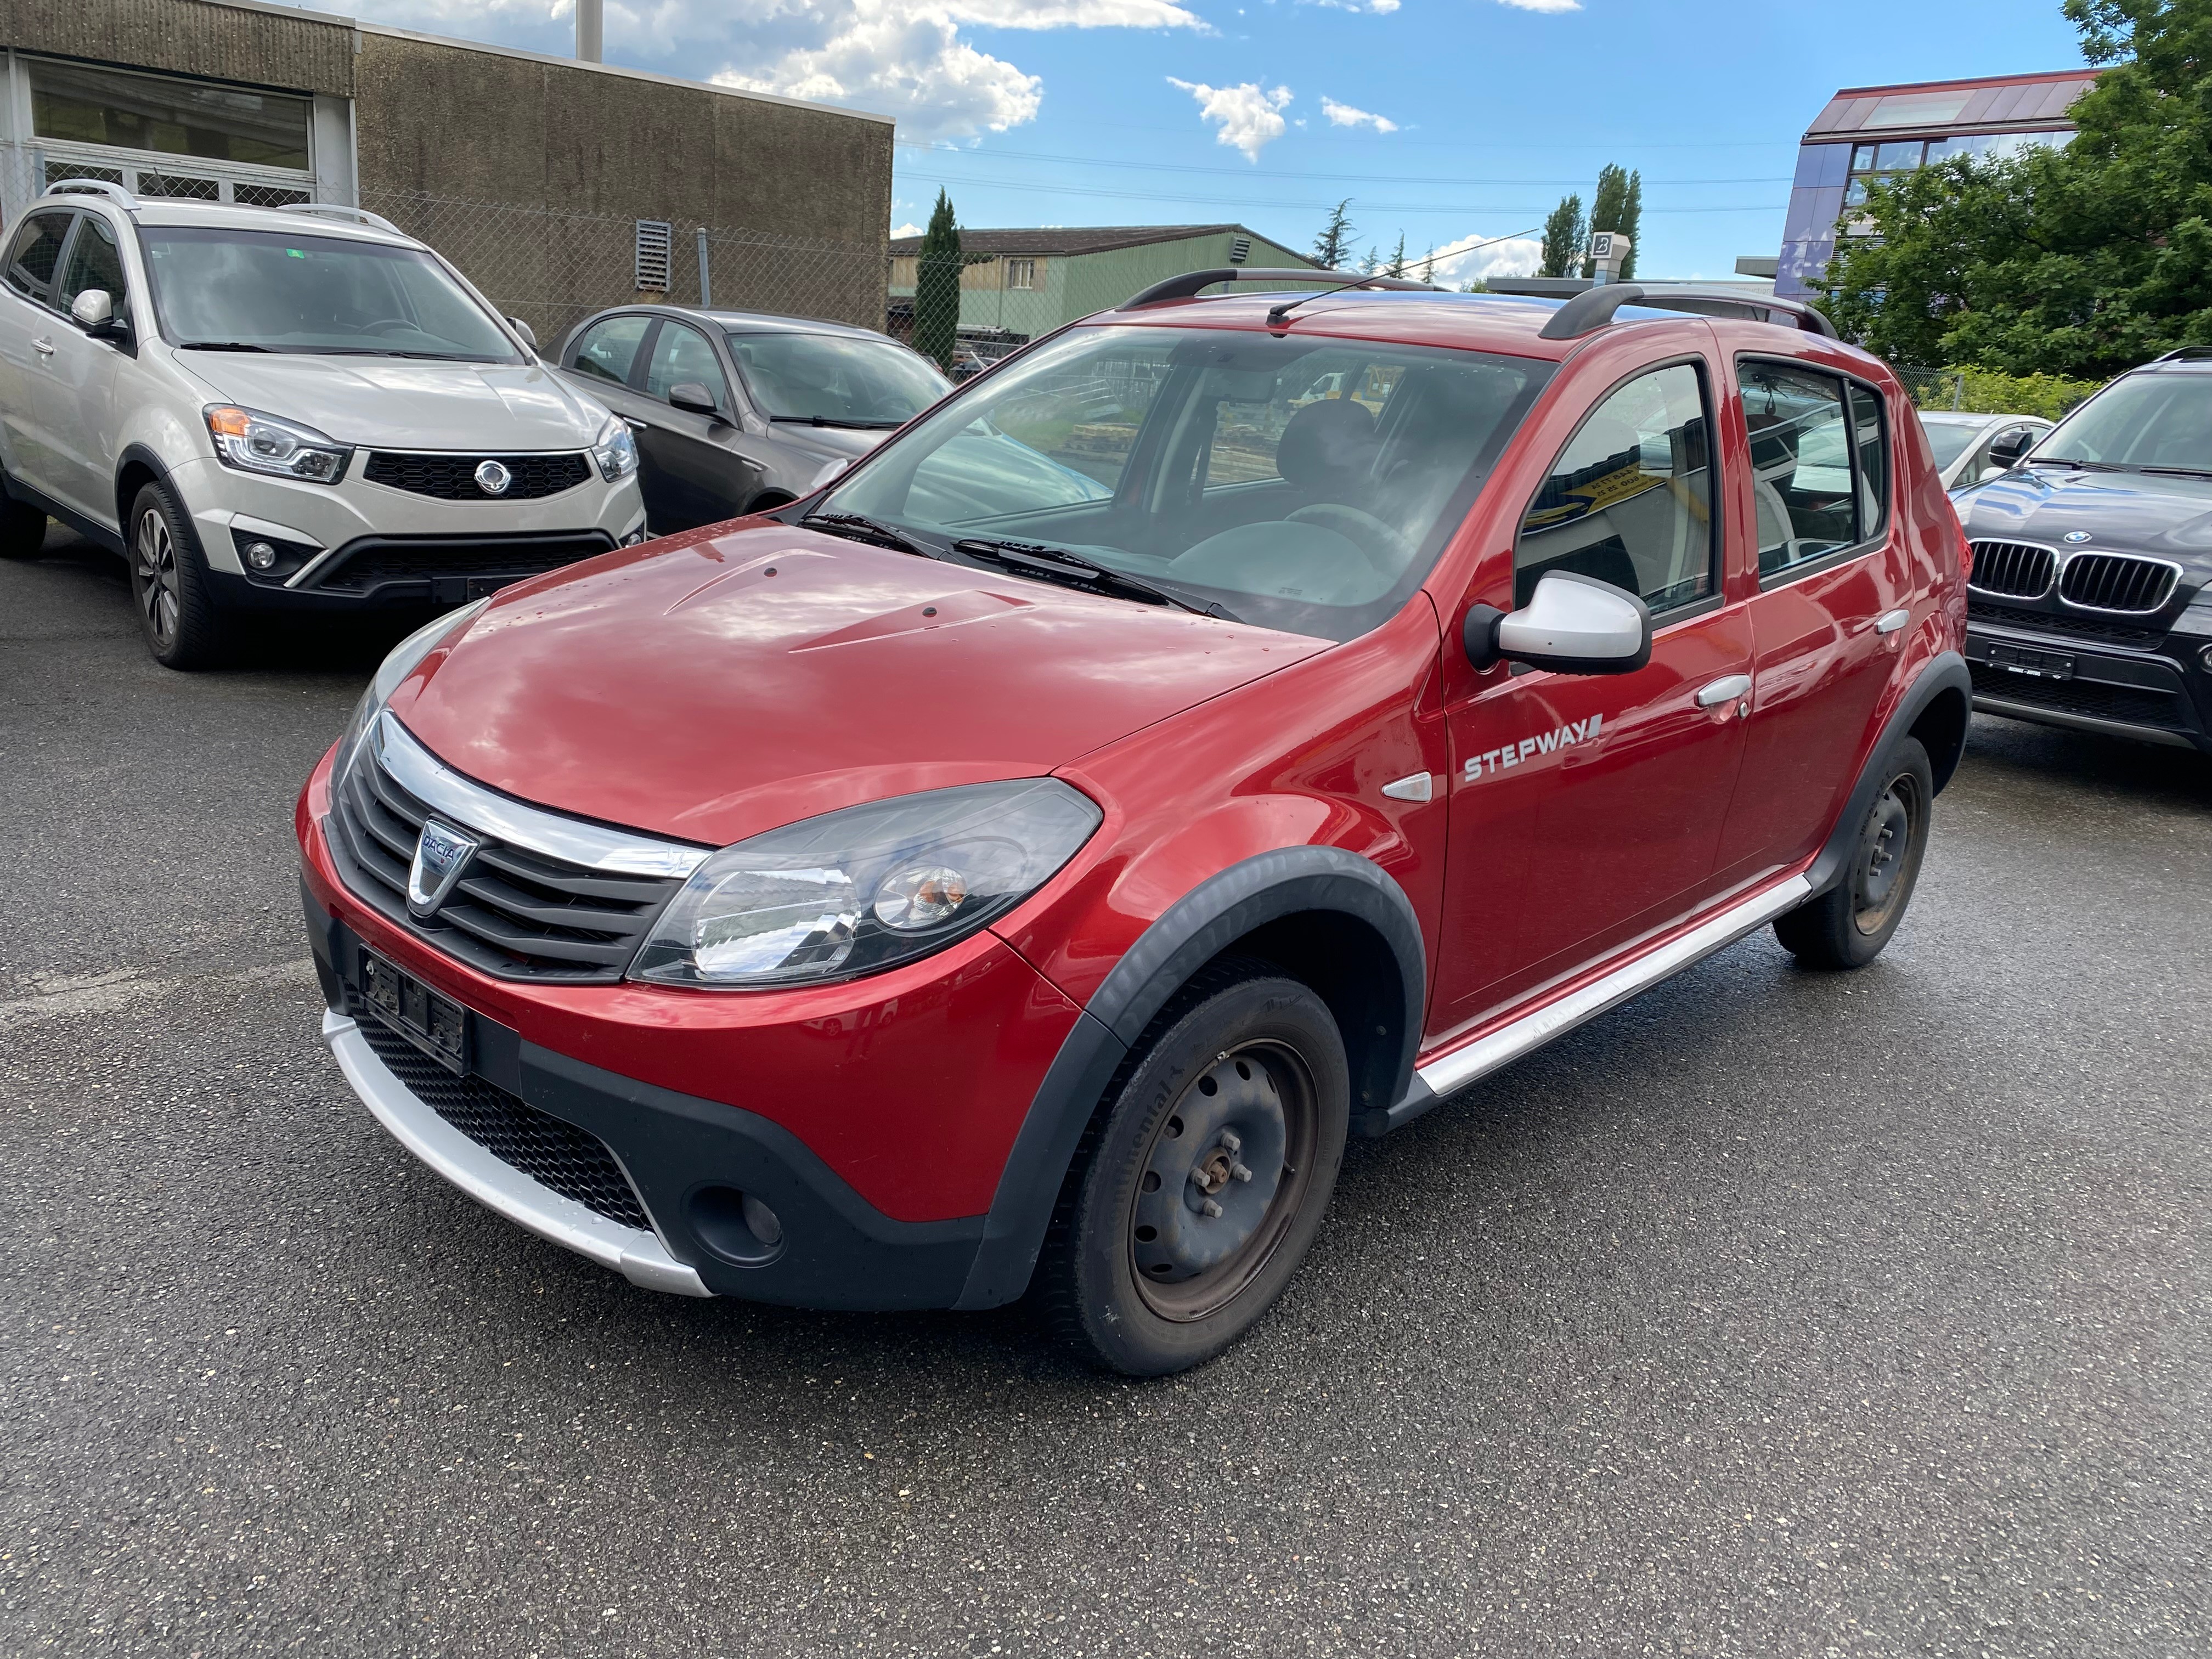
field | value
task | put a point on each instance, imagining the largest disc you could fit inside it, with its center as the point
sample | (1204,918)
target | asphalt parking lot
(1774,1313)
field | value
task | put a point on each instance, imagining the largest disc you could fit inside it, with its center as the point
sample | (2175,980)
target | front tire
(169,584)
(1848,926)
(1203,1180)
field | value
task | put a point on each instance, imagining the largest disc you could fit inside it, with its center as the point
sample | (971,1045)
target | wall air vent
(654,239)
(1240,249)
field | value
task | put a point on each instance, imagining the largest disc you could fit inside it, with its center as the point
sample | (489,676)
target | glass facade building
(1867,132)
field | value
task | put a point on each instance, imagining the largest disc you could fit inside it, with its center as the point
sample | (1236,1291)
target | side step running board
(1455,1069)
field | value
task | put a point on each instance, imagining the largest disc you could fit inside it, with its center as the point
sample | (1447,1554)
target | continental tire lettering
(1561,737)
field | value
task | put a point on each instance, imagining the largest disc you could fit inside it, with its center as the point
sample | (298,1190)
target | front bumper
(2060,679)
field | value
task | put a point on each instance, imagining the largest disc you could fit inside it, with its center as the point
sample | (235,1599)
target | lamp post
(590,30)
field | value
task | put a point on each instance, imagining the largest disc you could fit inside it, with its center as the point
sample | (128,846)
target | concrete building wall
(268,45)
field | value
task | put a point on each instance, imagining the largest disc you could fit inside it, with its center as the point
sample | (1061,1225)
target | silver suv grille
(2113,581)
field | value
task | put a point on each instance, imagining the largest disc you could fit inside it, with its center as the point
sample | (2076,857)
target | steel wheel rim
(154,574)
(1889,854)
(1264,1099)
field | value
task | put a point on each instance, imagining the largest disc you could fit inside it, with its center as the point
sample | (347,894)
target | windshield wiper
(218,345)
(1036,558)
(2178,471)
(859,527)
(2066,460)
(832,420)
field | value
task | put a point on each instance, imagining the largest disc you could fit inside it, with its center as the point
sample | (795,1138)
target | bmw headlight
(854,891)
(616,451)
(254,442)
(395,667)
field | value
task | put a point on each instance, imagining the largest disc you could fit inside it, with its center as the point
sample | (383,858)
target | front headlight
(854,891)
(396,666)
(254,442)
(616,451)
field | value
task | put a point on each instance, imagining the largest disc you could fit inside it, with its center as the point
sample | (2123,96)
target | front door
(76,407)
(691,473)
(1830,613)
(1586,810)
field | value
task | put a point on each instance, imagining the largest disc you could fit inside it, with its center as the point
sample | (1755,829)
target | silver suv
(284,409)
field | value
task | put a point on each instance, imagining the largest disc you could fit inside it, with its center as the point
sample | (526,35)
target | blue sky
(1449,120)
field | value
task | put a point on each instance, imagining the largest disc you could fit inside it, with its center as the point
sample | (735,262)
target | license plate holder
(436,1024)
(2026,659)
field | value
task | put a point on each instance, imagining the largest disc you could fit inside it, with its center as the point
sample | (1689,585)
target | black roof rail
(1593,309)
(1188,286)
(2183,354)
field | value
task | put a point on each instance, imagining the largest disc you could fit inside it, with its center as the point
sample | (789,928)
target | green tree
(2078,261)
(936,286)
(1565,237)
(1617,204)
(1397,264)
(1334,246)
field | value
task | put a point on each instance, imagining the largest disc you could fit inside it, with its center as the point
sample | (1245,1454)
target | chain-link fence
(1984,391)
(554,269)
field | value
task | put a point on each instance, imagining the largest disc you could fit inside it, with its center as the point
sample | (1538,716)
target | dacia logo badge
(2076,536)
(441,853)
(493,478)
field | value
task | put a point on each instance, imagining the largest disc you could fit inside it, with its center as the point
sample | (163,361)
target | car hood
(2161,516)
(717,686)
(829,443)
(399,402)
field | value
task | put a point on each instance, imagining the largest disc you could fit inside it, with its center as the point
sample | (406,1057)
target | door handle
(1724,690)
(1890,621)
(43,348)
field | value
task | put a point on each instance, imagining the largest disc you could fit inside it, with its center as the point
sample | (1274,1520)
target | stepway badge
(1565,737)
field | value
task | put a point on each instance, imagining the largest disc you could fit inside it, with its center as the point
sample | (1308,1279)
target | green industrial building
(1021,282)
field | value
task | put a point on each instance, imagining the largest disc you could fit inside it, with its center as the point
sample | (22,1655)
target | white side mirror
(1571,624)
(93,308)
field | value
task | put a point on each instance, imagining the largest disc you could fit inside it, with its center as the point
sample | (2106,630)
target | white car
(1971,449)
(284,409)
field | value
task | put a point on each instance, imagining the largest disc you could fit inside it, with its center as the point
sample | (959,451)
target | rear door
(1586,810)
(1833,605)
(28,340)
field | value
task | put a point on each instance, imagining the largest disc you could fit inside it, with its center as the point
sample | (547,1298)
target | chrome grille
(514,914)
(2114,581)
(2015,568)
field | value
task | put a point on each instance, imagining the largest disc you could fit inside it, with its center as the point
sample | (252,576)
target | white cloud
(909,229)
(1543,5)
(1380,8)
(1343,115)
(1249,116)
(1461,262)
(906,58)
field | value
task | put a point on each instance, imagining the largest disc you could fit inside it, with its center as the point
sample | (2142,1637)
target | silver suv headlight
(854,891)
(254,442)
(616,451)
(396,667)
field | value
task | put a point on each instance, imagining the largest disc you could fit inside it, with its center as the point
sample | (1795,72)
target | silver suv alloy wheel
(153,576)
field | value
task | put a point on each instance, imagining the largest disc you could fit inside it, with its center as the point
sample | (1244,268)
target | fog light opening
(2204,659)
(736,1226)
(260,554)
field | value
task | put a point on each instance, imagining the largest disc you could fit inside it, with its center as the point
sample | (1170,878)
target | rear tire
(169,586)
(22,529)
(1202,1181)
(1848,926)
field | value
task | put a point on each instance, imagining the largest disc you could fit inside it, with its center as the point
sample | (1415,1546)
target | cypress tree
(937,286)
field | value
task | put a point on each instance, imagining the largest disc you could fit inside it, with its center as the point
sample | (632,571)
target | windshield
(836,379)
(325,295)
(2141,420)
(1949,439)
(1301,484)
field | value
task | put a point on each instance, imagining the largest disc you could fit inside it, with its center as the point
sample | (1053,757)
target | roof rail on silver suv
(1593,309)
(339,211)
(92,188)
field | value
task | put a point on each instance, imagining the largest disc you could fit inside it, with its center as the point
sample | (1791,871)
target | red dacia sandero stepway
(1230,724)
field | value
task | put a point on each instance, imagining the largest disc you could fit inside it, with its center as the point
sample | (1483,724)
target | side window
(94,261)
(1802,475)
(34,252)
(1629,499)
(608,348)
(1873,447)
(681,356)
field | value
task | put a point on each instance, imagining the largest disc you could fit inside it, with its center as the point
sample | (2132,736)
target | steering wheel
(1381,544)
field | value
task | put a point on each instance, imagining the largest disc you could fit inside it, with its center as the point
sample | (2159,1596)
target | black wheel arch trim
(1947,671)
(1198,927)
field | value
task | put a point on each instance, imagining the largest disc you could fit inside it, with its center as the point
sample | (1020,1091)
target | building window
(1874,163)
(78,103)
(1021,273)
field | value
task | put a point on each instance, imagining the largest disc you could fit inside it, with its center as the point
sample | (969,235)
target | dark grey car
(736,412)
